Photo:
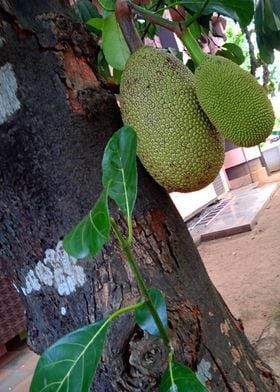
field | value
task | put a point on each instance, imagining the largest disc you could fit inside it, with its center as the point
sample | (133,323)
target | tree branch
(125,19)
(254,63)
(153,17)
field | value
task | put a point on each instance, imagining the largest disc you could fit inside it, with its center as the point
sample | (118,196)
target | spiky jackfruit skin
(177,144)
(234,101)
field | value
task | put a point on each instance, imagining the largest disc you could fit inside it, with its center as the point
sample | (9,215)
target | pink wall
(240,155)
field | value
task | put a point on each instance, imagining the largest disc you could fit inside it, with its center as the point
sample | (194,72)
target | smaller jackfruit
(176,144)
(234,101)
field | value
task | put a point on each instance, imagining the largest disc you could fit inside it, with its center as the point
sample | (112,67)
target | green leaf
(232,52)
(113,43)
(275,5)
(71,362)
(191,65)
(267,23)
(87,10)
(144,318)
(194,28)
(96,22)
(103,67)
(239,10)
(184,380)
(117,74)
(88,237)
(119,169)
(108,5)
(271,16)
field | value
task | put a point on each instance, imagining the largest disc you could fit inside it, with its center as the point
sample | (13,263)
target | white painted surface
(224,179)
(188,203)
(9,103)
(57,269)
(271,155)
(240,155)
(252,152)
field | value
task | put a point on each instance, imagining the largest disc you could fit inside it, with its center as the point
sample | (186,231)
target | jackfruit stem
(192,45)
(125,19)
(155,18)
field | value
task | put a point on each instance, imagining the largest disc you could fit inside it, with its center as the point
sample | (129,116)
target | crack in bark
(222,373)
(87,308)
(171,251)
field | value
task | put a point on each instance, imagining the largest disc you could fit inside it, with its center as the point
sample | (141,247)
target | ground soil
(245,268)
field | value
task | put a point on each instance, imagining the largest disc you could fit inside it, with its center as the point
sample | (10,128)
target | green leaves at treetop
(119,169)
(183,380)
(267,23)
(88,237)
(239,10)
(70,364)
(113,44)
(144,318)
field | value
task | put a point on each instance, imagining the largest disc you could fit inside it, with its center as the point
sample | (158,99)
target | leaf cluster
(267,23)
(198,17)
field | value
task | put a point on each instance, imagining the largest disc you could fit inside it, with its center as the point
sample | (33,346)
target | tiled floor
(17,367)
(240,215)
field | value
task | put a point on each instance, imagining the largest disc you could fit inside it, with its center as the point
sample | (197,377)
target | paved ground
(16,368)
(237,212)
(245,269)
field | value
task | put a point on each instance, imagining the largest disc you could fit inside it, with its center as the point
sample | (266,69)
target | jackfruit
(177,144)
(234,101)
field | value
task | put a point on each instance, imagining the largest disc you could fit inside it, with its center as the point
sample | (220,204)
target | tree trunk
(55,119)
(254,62)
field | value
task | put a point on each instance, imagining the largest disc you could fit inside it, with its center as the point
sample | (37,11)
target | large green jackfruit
(234,101)
(177,144)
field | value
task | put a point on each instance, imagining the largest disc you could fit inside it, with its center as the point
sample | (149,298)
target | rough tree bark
(254,62)
(55,117)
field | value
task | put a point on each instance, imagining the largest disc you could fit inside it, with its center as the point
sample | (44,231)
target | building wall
(190,204)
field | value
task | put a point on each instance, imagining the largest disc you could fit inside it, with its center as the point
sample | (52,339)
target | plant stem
(192,45)
(130,231)
(127,309)
(170,359)
(140,281)
(155,18)
(149,24)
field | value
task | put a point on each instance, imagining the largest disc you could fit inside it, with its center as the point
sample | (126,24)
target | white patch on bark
(63,311)
(44,274)
(32,282)
(9,103)
(203,373)
(59,270)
